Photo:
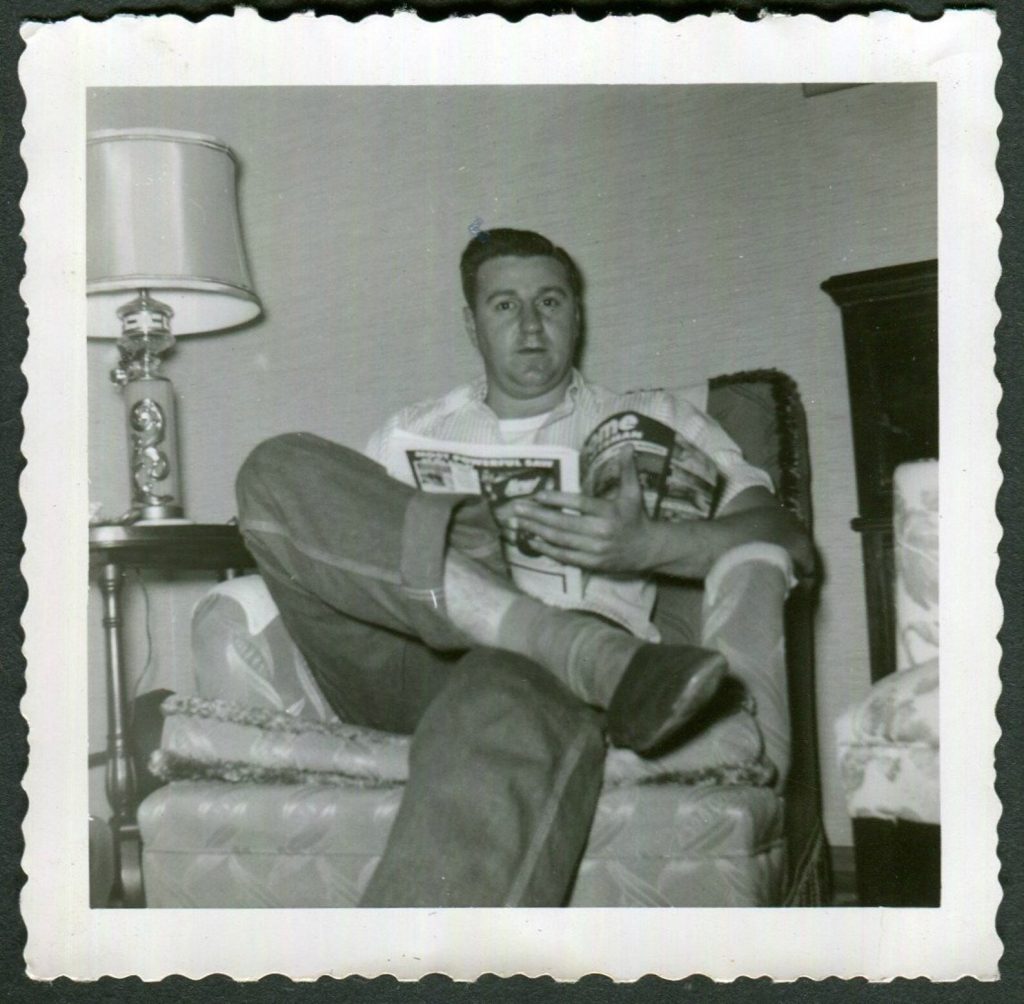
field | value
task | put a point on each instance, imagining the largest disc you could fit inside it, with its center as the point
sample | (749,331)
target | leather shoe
(663,688)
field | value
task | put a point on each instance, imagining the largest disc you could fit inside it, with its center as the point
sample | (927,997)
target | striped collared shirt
(463,416)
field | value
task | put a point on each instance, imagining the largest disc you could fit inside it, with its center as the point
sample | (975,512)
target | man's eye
(504,305)
(551,302)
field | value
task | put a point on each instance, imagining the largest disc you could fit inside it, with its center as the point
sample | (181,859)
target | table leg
(120,769)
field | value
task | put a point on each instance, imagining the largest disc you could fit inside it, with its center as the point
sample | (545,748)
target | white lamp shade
(162,215)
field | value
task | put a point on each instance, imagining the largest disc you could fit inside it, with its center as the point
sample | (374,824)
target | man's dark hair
(520,243)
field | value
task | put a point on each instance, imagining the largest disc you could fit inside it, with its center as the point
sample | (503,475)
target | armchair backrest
(762,411)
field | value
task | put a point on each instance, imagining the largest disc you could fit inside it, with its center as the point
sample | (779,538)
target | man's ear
(470,322)
(579,323)
(579,336)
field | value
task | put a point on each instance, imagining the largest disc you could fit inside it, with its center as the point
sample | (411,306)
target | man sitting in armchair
(403,608)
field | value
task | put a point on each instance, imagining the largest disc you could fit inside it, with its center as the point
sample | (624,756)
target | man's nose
(530,321)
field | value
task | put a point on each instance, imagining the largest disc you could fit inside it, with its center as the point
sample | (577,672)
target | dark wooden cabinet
(890,331)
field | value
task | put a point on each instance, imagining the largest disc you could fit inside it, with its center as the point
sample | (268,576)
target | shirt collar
(478,391)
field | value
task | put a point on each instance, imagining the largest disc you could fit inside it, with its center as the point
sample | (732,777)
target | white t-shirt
(521,431)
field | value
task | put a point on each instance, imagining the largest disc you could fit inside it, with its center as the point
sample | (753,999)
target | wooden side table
(211,547)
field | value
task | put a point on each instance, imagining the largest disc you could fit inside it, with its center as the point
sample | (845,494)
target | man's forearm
(687,550)
(616,536)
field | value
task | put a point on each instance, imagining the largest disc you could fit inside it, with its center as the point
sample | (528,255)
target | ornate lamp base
(150,411)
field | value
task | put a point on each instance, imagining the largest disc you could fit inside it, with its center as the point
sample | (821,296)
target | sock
(588,655)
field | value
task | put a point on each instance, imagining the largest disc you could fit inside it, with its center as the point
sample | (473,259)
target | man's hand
(615,535)
(607,534)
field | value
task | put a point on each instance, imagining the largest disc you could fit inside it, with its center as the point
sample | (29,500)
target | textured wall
(704,219)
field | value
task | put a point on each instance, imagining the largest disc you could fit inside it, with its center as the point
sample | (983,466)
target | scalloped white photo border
(958,51)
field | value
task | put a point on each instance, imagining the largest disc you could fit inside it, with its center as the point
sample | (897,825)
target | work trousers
(505,764)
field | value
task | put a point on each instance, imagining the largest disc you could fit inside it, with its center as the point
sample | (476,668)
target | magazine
(678,480)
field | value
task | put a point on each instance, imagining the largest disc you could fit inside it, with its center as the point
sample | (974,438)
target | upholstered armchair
(889,743)
(271,801)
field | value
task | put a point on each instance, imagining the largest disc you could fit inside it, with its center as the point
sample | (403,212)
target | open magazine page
(502,473)
(679,481)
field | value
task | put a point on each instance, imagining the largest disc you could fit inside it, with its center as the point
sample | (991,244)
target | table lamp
(164,250)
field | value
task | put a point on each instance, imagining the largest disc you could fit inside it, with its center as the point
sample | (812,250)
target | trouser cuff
(424,543)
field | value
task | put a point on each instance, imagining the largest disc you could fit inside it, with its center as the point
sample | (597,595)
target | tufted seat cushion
(259,715)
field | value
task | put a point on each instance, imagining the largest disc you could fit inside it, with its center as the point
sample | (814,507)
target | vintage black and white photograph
(521,494)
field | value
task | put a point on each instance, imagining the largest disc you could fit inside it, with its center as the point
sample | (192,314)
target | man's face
(525,322)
